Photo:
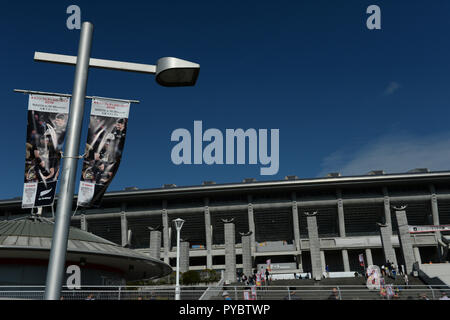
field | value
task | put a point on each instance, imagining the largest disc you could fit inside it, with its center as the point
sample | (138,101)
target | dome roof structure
(31,239)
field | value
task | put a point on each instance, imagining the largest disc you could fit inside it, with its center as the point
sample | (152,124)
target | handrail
(345,292)
(218,285)
(169,287)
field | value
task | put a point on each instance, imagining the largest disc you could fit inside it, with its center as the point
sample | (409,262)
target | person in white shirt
(444,296)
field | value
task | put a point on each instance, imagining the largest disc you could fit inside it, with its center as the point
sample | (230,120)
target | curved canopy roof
(32,238)
(39,228)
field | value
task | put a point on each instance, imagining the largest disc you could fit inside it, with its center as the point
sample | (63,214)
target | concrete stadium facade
(269,221)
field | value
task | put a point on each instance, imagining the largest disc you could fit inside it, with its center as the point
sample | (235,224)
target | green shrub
(190,277)
(209,275)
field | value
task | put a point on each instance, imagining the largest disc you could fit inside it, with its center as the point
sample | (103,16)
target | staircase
(435,274)
(308,289)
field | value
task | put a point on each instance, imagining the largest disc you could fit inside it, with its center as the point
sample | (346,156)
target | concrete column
(230,253)
(251,224)
(405,240)
(435,214)
(386,230)
(84,223)
(417,255)
(341,218)
(434,205)
(387,208)
(345,260)
(314,245)
(184,256)
(296,226)
(369,259)
(155,244)
(322,261)
(386,242)
(295,221)
(247,255)
(208,233)
(166,240)
(124,229)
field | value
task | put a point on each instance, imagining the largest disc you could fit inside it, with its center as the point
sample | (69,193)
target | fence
(316,292)
(103,293)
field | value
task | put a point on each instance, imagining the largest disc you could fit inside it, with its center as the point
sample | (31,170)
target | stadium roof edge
(249,186)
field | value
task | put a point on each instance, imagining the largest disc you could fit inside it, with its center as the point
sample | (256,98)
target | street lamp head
(174,72)
(178,223)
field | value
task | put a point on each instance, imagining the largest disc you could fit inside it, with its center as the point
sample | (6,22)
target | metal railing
(341,292)
(211,290)
(215,292)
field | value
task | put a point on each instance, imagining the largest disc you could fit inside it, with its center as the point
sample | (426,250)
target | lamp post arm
(95,63)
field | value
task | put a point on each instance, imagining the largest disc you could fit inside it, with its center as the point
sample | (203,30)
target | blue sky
(344,98)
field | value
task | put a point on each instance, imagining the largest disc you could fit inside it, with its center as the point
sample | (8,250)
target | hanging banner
(258,279)
(361,259)
(269,264)
(373,277)
(419,229)
(104,147)
(253,289)
(47,122)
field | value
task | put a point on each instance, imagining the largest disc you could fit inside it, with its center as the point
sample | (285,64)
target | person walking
(90,297)
(267,276)
(226,296)
(388,268)
(444,296)
(244,279)
(292,295)
(423,297)
(253,277)
(334,295)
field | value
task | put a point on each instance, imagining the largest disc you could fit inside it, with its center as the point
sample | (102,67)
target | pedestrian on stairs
(267,276)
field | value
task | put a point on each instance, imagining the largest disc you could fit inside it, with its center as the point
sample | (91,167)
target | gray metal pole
(177,286)
(58,251)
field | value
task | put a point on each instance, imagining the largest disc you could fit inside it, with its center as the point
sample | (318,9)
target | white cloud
(391,88)
(392,153)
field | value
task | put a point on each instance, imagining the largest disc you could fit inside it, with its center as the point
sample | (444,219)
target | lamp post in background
(169,71)
(178,224)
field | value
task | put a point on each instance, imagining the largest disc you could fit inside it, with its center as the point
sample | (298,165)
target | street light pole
(169,72)
(177,288)
(178,224)
(58,251)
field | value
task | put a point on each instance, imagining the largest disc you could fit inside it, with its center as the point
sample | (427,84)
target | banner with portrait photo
(104,147)
(47,122)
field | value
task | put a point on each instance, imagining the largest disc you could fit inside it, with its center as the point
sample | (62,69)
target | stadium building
(351,215)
